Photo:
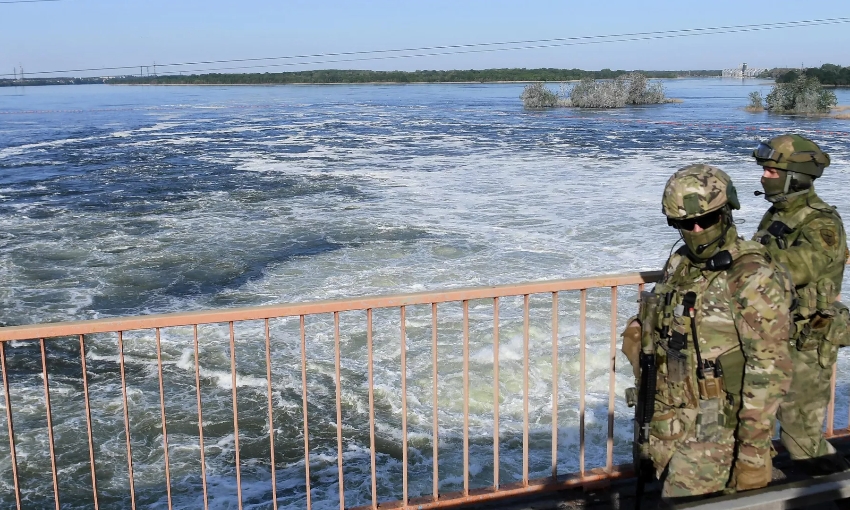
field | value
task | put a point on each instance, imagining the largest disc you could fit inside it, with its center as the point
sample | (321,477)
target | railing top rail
(48,330)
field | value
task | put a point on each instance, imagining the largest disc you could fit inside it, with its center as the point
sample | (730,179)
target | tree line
(29,82)
(364,76)
(829,75)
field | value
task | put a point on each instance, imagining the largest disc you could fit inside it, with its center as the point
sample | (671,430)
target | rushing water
(134,200)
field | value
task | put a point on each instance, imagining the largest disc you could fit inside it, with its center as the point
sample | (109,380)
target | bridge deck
(790,489)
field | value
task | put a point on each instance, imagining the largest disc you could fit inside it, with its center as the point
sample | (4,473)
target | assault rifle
(645,405)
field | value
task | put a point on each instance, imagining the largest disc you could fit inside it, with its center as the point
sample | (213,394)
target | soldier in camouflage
(806,235)
(720,336)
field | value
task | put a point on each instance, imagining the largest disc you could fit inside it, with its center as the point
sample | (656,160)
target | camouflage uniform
(806,235)
(713,421)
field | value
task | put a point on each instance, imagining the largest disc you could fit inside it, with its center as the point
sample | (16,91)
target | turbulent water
(135,200)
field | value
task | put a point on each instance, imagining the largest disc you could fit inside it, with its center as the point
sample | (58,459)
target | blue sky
(69,34)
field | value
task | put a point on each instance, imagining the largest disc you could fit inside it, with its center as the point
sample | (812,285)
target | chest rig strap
(786,233)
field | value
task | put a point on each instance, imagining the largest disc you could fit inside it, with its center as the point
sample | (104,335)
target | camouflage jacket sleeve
(820,245)
(761,297)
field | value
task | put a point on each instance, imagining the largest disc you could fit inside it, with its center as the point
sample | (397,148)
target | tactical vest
(698,391)
(819,320)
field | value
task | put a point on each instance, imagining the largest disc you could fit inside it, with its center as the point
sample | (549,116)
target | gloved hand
(746,476)
(770,243)
(631,346)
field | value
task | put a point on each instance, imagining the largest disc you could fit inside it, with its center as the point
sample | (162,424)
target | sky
(83,34)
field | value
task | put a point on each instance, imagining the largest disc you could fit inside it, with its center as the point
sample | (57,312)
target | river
(127,200)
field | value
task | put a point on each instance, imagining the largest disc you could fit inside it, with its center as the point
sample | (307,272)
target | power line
(538,46)
(26,1)
(458,49)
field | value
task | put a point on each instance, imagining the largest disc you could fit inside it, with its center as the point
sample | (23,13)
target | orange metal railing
(42,333)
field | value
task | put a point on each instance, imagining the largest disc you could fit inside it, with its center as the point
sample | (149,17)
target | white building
(743,72)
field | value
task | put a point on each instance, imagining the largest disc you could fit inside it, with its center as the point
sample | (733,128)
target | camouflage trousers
(698,468)
(802,412)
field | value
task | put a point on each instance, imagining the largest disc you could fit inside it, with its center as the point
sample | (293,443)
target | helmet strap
(785,195)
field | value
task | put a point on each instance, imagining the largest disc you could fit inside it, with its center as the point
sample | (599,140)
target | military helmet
(697,190)
(792,153)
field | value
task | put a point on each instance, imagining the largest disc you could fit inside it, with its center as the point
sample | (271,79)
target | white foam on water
(431,203)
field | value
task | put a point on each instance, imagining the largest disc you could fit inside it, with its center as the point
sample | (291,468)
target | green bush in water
(802,95)
(536,95)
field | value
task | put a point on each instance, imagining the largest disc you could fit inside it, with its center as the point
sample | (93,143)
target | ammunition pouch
(677,366)
(840,331)
(710,421)
(821,322)
(713,415)
(803,337)
(732,365)
(710,387)
(807,301)
(823,334)
(827,332)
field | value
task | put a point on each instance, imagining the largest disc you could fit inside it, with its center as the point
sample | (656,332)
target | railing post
(339,411)
(235,416)
(126,419)
(435,446)
(49,423)
(525,389)
(582,368)
(554,385)
(200,416)
(612,382)
(6,394)
(304,407)
(496,393)
(88,419)
(404,404)
(466,398)
(371,375)
(162,417)
(271,414)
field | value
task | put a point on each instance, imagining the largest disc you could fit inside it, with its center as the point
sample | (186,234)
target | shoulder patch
(828,236)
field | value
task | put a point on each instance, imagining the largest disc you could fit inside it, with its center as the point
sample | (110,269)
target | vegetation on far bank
(359,76)
(364,76)
(30,82)
(803,95)
(829,75)
(626,89)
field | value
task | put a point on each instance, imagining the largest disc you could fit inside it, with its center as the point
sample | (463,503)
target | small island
(626,89)
(804,92)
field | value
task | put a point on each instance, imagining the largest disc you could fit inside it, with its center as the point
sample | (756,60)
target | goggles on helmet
(704,221)
(766,152)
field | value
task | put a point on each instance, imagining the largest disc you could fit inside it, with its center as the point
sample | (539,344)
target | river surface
(121,200)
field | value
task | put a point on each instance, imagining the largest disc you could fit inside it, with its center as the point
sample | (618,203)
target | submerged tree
(627,89)
(802,95)
(590,93)
(536,95)
(756,102)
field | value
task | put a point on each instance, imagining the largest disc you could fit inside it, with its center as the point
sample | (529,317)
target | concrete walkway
(790,489)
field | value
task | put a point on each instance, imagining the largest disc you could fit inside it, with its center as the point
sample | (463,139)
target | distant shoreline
(366,77)
(367,83)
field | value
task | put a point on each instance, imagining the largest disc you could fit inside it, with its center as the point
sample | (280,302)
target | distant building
(743,72)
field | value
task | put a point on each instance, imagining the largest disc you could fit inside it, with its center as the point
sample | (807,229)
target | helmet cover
(793,153)
(697,190)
